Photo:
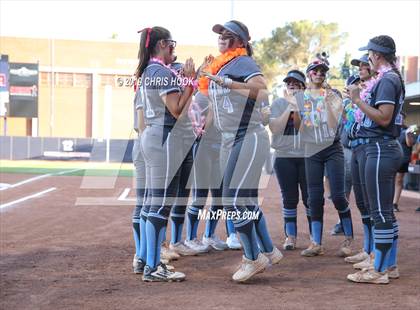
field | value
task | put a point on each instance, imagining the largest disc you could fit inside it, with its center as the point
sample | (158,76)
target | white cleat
(181,249)
(215,243)
(233,242)
(250,268)
(197,245)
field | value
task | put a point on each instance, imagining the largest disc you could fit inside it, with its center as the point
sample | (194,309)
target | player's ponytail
(148,41)
(247,44)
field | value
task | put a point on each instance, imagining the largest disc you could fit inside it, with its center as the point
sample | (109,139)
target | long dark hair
(247,44)
(149,37)
(387,41)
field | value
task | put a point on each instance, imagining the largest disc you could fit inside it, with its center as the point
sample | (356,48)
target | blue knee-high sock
(290,227)
(211,223)
(372,238)
(308,218)
(248,238)
(346,222)
(192,222)
(263,237)
(136,235)
(230,228)
(384,237)
(155,233)
(367,233)
(143,241)
(176,227)
(317,231)
(394,250)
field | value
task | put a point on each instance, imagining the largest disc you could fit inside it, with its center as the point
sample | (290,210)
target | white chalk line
(11,203)
(39,177)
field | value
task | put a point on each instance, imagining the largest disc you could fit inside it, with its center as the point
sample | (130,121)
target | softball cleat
(162,274)
(393,272)
(167,254)
(215,243)
(274,256)
(233,242)
(359,257)
(367,263)
(181,249)
(289,244)
(313,250)
(345,248)
(369,275)
(250,268)
(197,246)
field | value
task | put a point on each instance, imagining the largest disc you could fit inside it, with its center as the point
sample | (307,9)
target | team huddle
(203,131)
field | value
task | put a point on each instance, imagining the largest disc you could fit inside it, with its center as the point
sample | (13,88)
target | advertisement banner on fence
(23,89)
(4,84)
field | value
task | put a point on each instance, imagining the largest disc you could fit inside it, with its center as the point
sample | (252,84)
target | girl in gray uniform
(163,100)
(236,89)
(141,193)
(289,164)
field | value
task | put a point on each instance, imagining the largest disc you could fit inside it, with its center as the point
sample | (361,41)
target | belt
(362,141)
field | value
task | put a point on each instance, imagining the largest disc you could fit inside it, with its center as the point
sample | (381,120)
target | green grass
(83,172)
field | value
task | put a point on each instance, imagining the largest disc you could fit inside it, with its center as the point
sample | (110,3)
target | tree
(295,45)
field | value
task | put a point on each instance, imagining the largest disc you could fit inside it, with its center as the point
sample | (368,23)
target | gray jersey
(233,111)
(287,143)
(138,104)
(211,135)
(157,81)
(314,125)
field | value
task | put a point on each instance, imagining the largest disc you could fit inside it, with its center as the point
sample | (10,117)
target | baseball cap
(364,59)
(352,79)
(317,64)
(295,74)
(377,48)
(233,27)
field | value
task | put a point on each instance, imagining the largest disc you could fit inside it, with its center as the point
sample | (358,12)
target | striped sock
(367,233)
(192,222)
(317,231)
(384,236)
(155,232)
(394,250)
(263,237)
(290,218)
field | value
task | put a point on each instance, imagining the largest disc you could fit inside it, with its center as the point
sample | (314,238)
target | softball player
(235,89)
(320,116)
(163,101)
(189,246)
(140,173)
(289,164)
(378,131)
(362,259)
(207,177)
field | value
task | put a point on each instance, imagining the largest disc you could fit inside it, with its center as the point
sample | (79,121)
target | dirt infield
(56,255)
